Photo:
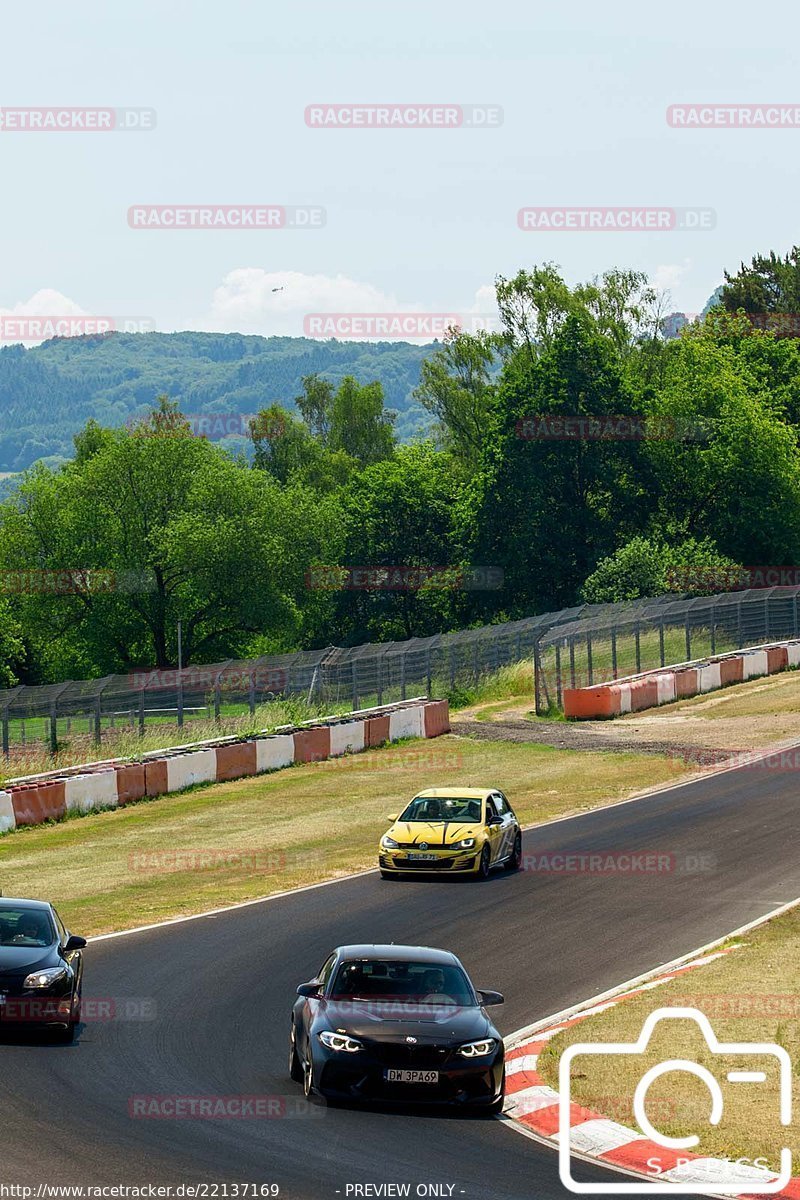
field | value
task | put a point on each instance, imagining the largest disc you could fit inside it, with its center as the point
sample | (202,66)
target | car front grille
(409,864)
(400,1054)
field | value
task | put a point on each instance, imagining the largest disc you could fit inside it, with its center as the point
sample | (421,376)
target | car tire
(515,862)
(309,1090)
(295,1067)
(485,864)
(387,875)
(65,1037)
(497,1106)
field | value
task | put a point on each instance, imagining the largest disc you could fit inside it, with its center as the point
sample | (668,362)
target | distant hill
(48,393)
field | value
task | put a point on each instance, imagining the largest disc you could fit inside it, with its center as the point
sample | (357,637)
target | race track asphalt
(222,988)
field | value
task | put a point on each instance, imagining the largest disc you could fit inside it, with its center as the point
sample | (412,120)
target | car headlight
(464,844)
(46,978)
(477,1049)
(340,1041)
(389,843)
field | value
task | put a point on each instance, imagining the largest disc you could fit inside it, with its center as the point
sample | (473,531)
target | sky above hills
(574,102)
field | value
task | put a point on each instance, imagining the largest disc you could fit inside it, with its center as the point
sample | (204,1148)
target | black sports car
(41,970)
(396,1023)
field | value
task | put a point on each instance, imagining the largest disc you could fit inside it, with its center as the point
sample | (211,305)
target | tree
(315,403)
(359,424)
(172,527)
(11,646)
(456,386)
(770,284)
(565,479)
(645,567)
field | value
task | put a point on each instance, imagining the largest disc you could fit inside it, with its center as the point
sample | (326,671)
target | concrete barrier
(186,770)
(347,738)
(130,782)
(274,752)
(436,717)
(650,688)
(312,745)
(754,664)
(7,819)
(236,760)
(156,777)
(106,785)
(95,789)
(709,678)
(35,803)
(406,722)
(665,687)
(730,670)
(377,731)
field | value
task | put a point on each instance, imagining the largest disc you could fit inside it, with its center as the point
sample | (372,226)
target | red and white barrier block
(651,688)
(98,786)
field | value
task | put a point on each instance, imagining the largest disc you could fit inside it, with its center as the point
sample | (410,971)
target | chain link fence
(355,677)
(627,638)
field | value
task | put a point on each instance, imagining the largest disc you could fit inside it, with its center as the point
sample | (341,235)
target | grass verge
(223,843)
(750,995)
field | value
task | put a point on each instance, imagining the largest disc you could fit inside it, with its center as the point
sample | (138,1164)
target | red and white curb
(533,1107)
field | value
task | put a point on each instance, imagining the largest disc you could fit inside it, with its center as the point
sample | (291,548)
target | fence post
(537,670)
(217,696)
(688,642)
(6,739)
(179,698)
(572,662)
(402,676)
(795,614)
(355,684)
(661,641)
(589,658)
(637,639)
(739,623)
(452,666)
(613,652)
(558,674)
(98,719)
(141,713)
(252,692)
(53,729)
(766,618)
(428,671)
(713,629)
(379,683)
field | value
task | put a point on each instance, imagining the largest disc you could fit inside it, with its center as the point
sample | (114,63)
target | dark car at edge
(386,1023)
(41,970)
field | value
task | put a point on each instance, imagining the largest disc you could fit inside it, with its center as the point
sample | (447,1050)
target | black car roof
(36,905)
(405,953)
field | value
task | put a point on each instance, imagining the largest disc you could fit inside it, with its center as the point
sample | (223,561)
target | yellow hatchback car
(454,830)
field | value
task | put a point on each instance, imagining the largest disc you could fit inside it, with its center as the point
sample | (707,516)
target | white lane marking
(531,1100)
(526,1063)
(599,1135)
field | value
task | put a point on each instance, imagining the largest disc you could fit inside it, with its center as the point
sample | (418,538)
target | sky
(573,98)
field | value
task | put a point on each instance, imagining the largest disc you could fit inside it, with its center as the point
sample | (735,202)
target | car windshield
(25,927)
(411,982)
(443,808)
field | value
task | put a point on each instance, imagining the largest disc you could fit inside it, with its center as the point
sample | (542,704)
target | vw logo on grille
(412,1041)
(423,845)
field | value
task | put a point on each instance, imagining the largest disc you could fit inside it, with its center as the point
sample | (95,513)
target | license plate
(393,1076)
(423,857)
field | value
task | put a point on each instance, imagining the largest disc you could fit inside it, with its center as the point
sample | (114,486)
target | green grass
(750,995)
(296,826)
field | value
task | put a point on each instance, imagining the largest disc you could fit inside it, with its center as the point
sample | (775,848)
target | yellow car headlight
(389,843)
(464,844)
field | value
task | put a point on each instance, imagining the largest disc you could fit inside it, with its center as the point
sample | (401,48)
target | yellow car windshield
(443,808)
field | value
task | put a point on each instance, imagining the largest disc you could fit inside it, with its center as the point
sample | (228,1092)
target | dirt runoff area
(762,714)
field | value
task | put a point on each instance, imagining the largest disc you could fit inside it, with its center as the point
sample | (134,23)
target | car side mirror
(309,989)
(495,820)
(392,817)
(487,999)
(73,944)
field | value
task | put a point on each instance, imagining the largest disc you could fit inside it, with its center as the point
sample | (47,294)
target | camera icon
(742,1180)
